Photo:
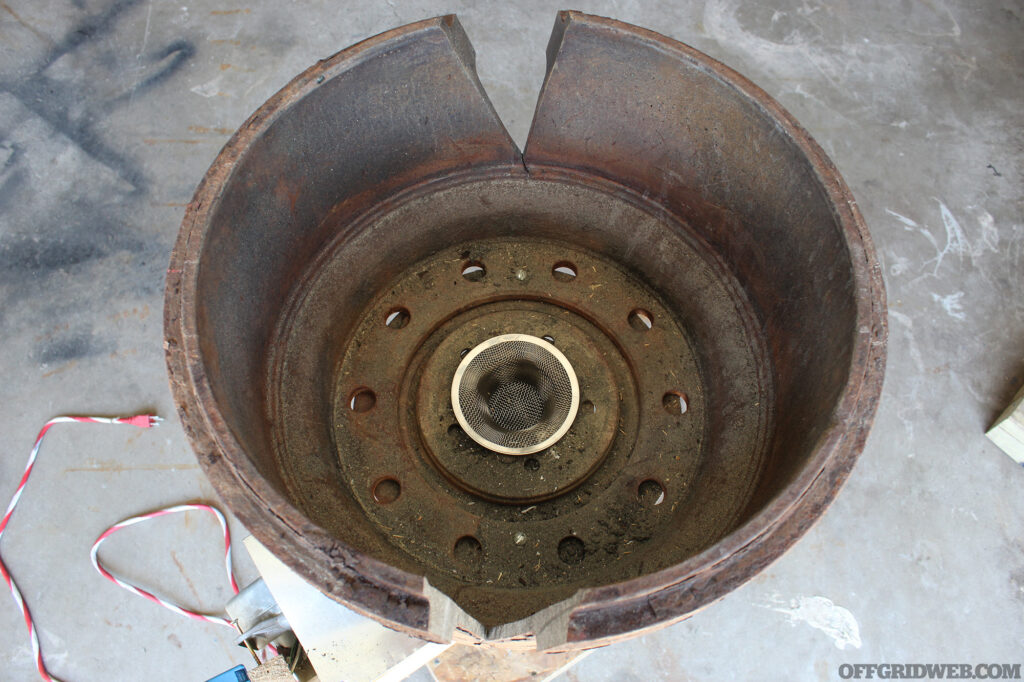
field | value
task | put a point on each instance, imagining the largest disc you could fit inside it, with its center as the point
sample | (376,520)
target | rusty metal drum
(699,311)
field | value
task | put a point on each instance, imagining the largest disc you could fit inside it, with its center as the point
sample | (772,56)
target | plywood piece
(274,670)
(1008,430)
(486,662)
(340,644)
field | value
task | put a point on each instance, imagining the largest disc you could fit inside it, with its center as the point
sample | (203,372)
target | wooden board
(488,662)
(1008,430)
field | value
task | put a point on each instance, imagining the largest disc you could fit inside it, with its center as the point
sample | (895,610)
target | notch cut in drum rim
(548,366)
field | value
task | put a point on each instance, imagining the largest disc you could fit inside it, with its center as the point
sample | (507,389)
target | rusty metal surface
(229,433)
(773,189)
(619,538)
(677,188)
(516,511)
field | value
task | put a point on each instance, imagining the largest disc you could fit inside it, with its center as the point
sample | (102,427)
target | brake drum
(567,394)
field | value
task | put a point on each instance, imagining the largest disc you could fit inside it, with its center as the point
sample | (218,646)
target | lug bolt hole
(550,339)
(531,464)
(675,402)
(587,407)
(386,490)
(651,493)
(468,550)
(564,271)
(641,320)
(571,550)
(473,270)
(397,318)
(362,400)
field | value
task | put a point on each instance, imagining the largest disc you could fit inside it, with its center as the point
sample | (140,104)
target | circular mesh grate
(516,406)
(515,394)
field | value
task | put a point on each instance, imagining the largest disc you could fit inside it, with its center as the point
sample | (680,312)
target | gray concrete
(110,112)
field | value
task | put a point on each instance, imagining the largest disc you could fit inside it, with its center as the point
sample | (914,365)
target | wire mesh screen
(515,393)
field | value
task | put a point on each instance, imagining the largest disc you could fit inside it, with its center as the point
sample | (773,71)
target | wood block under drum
(1008,430)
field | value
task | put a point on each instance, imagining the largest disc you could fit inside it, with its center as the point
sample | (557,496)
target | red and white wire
(142,421)
(171,606)
(135,589)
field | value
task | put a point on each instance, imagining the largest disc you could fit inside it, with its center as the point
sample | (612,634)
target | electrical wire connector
(143,421)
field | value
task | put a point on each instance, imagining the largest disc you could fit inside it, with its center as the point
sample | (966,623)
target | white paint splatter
(915,352)
(900,264)
(210,89)
(956,240)
(797,50)
(907,222)
(951,304)
(902,319)
(989,233)
(912,226)
(821,614)
(721,21)
(57,654)
(145,35)
(909,408)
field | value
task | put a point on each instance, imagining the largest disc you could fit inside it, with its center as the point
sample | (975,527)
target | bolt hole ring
(397,318)
(473,271)
(386,490)
(650,493)
(468,550)
(564,271)
(362,400)
(675,402)
(640,320)
(571,550)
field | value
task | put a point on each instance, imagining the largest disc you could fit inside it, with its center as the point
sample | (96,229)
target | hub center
(515,394)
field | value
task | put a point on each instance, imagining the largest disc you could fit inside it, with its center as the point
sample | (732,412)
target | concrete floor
(111,111)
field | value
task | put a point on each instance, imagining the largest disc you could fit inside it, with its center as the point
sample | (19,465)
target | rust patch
(60,370)
(35,31)
(157,140)
(184,574)
(116,467)
(204,130)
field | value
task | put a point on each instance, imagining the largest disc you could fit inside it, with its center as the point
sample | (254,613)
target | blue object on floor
(236,674)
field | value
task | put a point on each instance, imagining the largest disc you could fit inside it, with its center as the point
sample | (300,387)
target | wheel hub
(515,394)
(547,516)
